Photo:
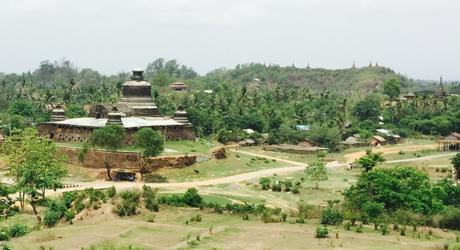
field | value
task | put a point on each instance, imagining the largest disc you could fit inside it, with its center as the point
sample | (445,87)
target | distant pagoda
(440,93)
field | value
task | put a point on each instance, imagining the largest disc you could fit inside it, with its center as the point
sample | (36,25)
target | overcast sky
(418,38)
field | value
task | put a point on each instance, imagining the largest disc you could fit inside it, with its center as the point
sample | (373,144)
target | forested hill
(364,79)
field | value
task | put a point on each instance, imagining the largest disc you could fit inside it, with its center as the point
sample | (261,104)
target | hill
(364,79)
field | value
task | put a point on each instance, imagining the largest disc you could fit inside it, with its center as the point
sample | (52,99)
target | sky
(418,38)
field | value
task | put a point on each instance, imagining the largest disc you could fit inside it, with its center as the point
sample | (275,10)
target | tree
(368,109)
(370,160)
(396,188)
(110,138)
(151,143)
(456,167)
(317,172)
(392,88)
(35,163)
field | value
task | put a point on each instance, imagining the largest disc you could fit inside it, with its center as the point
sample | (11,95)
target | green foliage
(111,192)
(331,215)
(316,172)
(18,230)
(368,109)
(150,141)
(150,200)
(392,88)
(265,183)
(74,111)
(51,218)
(69,215)
(456,165)
(321,232)
(192,198)
(128,203)
(35,163)
(5,234)
(395,188)
(109,137)
(370,160)
(326,137)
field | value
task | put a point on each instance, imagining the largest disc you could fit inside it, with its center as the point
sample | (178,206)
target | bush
(359,228)
(111,192)
(18,230)
(51,218)
(451,218)
(276,186)
(192,198)
(347,225)
(331,216)
(384,229)
(128,204)
(68,198)
(196,218)
(150,217)
(264,183)
(69,215)
(4,235)
(149,194)
(321,232)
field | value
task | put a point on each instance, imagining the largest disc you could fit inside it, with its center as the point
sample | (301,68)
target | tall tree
(35,163)
(110,138)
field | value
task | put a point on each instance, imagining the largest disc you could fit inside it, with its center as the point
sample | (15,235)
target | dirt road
(351,157)
(216,181)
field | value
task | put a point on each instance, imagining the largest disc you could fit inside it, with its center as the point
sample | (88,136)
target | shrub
(276,186)
(321,232)
(347,225)
(149,194)
(69,215)
(68,198)
(51,218)
(359,228)
(331,216)
(18,230)
(192,198)
(196,218)
(111,192)
(269,217)
(128,204)
(384,229)
(264,183)
(4,235)
(287,185)
(451,218)
(150,217)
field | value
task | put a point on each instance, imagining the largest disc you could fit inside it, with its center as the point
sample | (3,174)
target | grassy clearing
(215,231)
(188,147)
(234,164)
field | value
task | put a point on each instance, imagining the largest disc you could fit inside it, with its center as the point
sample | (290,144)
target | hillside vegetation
(364,79)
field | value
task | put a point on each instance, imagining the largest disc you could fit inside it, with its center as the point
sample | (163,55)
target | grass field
(215,231)
(234,164)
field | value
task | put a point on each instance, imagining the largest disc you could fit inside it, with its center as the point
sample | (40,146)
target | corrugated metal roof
(128,122)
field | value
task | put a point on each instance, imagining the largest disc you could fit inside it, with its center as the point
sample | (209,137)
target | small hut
(378,141)
(178,86)
(450,142)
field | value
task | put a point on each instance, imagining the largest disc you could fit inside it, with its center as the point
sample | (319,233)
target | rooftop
(128,122)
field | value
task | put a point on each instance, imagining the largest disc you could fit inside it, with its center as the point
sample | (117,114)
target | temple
(136,109)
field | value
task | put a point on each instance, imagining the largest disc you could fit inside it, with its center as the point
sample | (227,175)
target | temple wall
(125,160)
(69,134)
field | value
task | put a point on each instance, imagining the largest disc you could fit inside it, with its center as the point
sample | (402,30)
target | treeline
(271,100)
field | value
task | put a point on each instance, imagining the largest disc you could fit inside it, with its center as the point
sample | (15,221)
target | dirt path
(351,157)
(430,157)
(222,180)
